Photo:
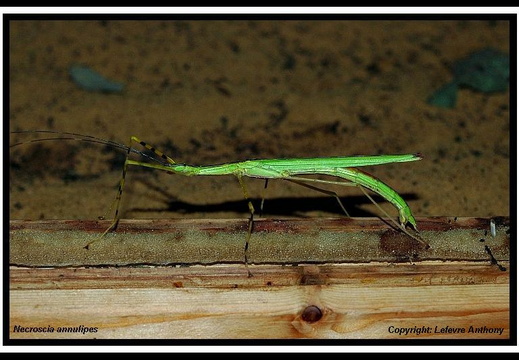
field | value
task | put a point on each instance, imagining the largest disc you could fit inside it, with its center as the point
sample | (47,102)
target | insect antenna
(68,136)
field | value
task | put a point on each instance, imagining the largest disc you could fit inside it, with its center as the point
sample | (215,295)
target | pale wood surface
(357,301)
(363,299)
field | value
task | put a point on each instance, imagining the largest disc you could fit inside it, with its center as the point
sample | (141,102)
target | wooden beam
(161,242)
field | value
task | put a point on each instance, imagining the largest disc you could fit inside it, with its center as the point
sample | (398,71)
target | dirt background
(217,91)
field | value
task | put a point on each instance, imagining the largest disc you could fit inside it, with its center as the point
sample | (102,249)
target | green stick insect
(292,170)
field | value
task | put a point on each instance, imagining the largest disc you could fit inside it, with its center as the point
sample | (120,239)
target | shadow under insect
(272,207)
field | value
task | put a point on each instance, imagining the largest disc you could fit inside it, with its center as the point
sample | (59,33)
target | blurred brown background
(214,91)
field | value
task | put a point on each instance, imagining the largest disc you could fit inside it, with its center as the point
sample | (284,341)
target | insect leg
(117,200)
(344,183)
(251,222)
(127,162)
(400,226)
(263,196)
(326,192)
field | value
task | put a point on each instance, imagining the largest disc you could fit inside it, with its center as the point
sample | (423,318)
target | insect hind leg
(401,227)
(324,191)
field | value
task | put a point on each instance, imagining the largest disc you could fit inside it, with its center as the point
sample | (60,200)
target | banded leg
(251,223)
(117,200)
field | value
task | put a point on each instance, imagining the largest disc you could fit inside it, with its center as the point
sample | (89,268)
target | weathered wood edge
(231,276)
(60,243)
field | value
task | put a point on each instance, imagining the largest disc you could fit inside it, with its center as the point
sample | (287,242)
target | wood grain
(357,301)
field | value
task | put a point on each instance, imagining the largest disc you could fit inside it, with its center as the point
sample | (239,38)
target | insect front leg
(117,200)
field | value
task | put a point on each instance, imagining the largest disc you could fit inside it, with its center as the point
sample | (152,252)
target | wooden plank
(386,289)
(160,242)
(346,301)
